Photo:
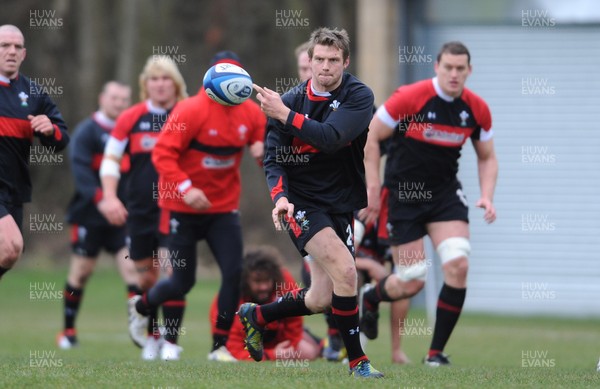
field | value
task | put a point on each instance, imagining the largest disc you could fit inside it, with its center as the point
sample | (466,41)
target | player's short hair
(113,82)
(162,64)
(266,259)
(454,48)
(226,56)
(12,28)
(302,48)
(330,37)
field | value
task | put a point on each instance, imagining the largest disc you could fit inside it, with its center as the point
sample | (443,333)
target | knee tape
(416,271)
(454,248)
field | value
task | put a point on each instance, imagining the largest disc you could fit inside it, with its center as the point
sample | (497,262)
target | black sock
(218,341)
(72,298)
(331,324)
(377,294)
(173,316)
(133,290)
(345,312)
(290,304)
(153,324)
(449,307)
(142,305)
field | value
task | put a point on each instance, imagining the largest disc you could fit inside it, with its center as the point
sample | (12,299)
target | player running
(198,158)
(325,122)
(136,131)
(90,230)
(26,111)
(436,118)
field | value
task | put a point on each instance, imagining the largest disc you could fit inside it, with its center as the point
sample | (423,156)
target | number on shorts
(350,240)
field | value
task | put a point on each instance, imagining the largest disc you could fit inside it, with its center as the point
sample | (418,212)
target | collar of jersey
(316,95)
(103,120)
(155,110)
(4,81)
(439,91)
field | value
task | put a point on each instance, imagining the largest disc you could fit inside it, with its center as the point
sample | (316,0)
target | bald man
(25,112)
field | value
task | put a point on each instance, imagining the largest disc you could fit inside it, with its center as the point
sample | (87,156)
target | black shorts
(16,211)
(87,241)
(221,231)
(187,229)
(144,237)
(408,215)
(308,221)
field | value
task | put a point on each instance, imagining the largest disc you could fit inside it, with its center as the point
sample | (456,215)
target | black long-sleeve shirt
(316,158)
(19,98)
(86,151)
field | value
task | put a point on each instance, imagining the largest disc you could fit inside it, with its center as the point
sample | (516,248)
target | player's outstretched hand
(490,211)
(271,104)
(196,199)
(283,210)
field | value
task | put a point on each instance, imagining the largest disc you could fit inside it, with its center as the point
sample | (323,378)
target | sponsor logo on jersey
(432,133)
(147,142)
(214,163)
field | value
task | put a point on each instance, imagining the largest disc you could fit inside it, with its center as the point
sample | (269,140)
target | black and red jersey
(140,126)
(433,129)
(86,150)
(202,147)
(19,98)
(316,158)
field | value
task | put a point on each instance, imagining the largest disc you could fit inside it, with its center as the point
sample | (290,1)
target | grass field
(486,351)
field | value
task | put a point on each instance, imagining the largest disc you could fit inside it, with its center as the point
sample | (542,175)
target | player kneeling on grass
(264,280)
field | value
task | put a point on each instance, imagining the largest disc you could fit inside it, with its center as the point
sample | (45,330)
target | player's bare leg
(126,267)
(399,311)
(80,270)
(318,296)
(406,281)
(11,243)
(332,255)
(142,327)
(451,241)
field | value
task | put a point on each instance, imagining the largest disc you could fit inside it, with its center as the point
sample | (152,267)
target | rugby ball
(227,84)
